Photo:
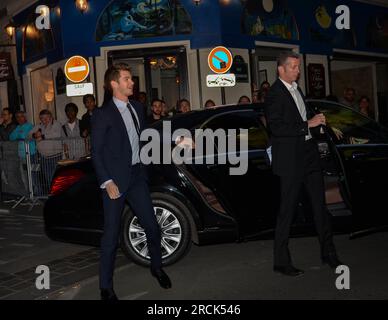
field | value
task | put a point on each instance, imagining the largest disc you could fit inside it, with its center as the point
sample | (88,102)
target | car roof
(194,118)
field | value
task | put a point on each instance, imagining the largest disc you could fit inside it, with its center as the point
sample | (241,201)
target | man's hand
(185,142)
(338,133)
(113,190)
(317,120)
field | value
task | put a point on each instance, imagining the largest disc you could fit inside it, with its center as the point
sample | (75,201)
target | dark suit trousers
(139,198)
(290,187)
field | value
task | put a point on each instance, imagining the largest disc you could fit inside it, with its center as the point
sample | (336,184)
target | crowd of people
(52,141)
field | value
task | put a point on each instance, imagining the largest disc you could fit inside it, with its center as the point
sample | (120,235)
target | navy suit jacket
(111,148)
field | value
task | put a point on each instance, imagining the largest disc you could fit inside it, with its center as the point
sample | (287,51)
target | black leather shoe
(331,260)
(162,277)
(108,295)
(288,270)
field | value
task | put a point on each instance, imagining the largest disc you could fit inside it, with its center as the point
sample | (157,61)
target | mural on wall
(126,19)
(323,28)
(36,42)
(377,32)
(271,18)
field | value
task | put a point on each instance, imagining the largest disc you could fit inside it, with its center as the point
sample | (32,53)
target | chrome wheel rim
(171,233)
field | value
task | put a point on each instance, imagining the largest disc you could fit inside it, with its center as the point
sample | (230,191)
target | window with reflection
(349,126)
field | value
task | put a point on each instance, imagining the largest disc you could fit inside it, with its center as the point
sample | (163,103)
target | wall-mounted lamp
(197,2)
(82,5)
(225,2)
(10,28)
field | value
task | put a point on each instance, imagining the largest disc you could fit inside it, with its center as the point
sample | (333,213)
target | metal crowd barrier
(27,167)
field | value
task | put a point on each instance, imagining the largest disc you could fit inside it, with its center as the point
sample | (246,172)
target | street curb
(5,210)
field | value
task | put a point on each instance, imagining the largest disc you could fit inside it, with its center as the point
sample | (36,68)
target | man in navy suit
(115,139)
(295,160)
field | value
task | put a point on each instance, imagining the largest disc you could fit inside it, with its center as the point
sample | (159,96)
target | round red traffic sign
(77,69)
(220,60)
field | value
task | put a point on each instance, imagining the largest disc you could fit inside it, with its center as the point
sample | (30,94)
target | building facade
(167,43)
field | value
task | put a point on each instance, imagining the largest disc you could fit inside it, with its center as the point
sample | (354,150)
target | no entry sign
(77,69)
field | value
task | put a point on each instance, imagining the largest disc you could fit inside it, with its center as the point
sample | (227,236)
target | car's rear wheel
(174,226)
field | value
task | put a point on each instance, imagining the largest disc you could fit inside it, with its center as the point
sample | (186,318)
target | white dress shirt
(293,89)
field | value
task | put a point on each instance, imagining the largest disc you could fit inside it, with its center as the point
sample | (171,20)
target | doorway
(159,72)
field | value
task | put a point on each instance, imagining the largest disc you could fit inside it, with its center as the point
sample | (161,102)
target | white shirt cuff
(103,185)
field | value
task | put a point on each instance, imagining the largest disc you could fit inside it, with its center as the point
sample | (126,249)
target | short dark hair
(155,100)
(364,97)
(244,97)
(209,101)
(283,56)
(45,112)
(350,89)
(20,112)
(88,96)
(183,100)
(8,110)
(71,106)
(113,74)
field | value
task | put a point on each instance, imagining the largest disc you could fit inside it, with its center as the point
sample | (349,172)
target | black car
(204,204)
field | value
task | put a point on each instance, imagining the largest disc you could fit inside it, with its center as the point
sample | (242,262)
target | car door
(363,148)
(249,194)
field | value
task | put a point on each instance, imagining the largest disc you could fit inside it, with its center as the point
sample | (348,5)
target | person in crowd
(47,135)
(258,96)
(90,104)
(164,108)
(244,100)
(209,104)
(7,125)
(349,98)
(364,106)
(156,109)
(74,147)
(184,106)
(265,86)
(21,134)
(116,130)
(142,98)
(296,163)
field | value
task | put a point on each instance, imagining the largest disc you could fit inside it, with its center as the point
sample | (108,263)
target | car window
(349,126)
(257,135)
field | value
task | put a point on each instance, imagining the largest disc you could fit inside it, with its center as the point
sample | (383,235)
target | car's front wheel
(174,226)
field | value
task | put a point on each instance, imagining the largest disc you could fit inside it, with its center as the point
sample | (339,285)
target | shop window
(42,88)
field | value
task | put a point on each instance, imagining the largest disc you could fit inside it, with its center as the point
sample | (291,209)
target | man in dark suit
(295,160)
(116,128)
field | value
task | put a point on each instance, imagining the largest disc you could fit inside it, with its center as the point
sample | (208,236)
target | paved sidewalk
(244,272)
(24,246)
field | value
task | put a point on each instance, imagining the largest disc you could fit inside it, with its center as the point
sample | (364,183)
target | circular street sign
(77,69)
(220,60)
